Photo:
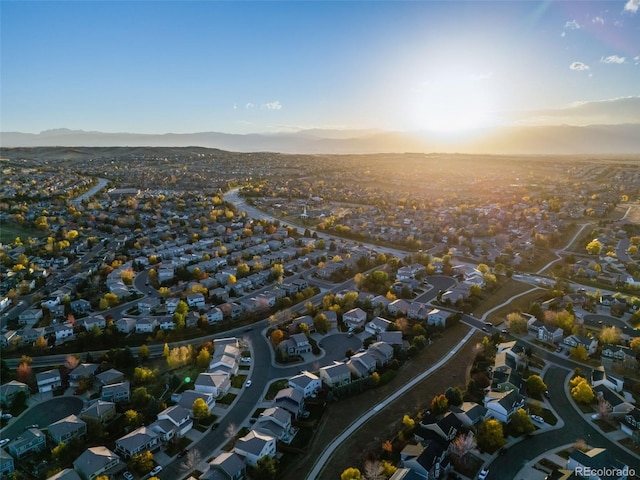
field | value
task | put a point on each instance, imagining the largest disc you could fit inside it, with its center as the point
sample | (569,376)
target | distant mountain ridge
(563,139)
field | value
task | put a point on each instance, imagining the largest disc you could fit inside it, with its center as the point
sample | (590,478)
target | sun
(453,104)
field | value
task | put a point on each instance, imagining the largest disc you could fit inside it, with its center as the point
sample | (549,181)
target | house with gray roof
(254,446)
(66,429)
(189,396)
(117,392)
(382,352)
(361,364)
(141,440)
(306,383)
(503,405)
(9,390)
(596,459)
(276,422)
(95,461)
(84,371)
(469,413)
(48,380)
(29,441)
(174,421)
(110,377)
(66,474)
(7,466)
(216,384)
(226,466)
(99,411)
(336,374)
(291,400)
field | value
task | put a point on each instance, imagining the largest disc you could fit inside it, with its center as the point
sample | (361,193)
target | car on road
(128,475)
(248,384)
(595,416)
(7,416)
(559,349)
(4,441)
(546,393)
(20,303)
(350,334)
(483,474)
(214,426)
(488,324)
(156,470)
(537,418)
(485,329)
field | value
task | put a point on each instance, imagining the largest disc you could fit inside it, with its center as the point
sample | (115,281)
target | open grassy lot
(9,232)
(385,424)
(504,293)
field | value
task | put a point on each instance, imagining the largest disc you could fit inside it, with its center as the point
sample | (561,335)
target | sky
(259,66)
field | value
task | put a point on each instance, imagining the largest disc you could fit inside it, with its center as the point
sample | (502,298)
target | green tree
(266,469)
(535,386)
(140,397)
(351,473)
(521,422)
(453,396)
(490,435)
(203,359)
(133,418)
(321,323)
(144,352)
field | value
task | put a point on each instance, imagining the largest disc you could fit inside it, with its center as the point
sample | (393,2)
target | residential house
(378,325)
(469,413)
(174,421)
(382,352)
(94,462)
(66,429)
(80,306)
(7,466)
(335,375)
(398,307)
(391,338)
(297,344)
(631,424)
(9,390)
(10,337)
(116,392)
(430,462)
(63,331)
(291,400)
(275,422)
(166,323)
(417,311)
(600,377)
(83,372)
(596,459)
(66,474)
(306,383)
(126,325)
(590,344)
(448,427)
(354,318)
(171,304)
(30,316)
(196,300)
(437,318)
(30,441)
(95,321)
(619,353)
(225,358)
(148,304)
(141,440)
(226,466)
(146,325)
(216,384)
(189,396)
(362,364)
(48,380)
(214,315)
(502,405)
(543,332)
(110,377)
(254,446)
(100,411)
(616,405)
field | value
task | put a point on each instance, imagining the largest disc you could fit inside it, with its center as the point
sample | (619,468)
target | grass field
(9,232)
(504,293)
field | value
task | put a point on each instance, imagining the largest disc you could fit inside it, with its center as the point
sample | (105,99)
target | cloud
(637,59)
(579,66)
(272,105)
(632,6)
(601,112)
(599,20)
(613,59)
(573,25)
(563,34)
(249,105)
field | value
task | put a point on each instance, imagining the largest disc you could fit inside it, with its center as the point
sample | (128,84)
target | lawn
(275,387)
(501,295)
(9,232)
(227,399)
(238,381)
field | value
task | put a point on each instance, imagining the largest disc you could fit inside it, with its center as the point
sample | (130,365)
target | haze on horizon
(266,67)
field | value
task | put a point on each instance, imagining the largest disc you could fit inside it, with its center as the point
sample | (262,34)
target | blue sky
(252,67)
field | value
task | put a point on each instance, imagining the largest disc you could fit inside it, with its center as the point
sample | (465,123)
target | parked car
(559,349)
(128,475)
(7,416)
(4,441)
(248,384)
(483,474)
(546,393)
(537,418)
(214,426)
(156,470)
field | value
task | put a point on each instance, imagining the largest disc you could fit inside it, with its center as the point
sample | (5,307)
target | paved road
(575,427)
(102,182)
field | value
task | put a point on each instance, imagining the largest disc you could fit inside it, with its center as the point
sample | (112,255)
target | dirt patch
(384,425)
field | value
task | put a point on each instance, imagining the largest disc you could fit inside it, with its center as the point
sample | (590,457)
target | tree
(144,375)
(321,323)
(490,436)
(579,353)
(142,462)
(140,397)
(461,446)
(265,469)
(594,247)
(351,473)
(200,408)
(166,351)
(133,418)
(144,352)
(582,392)
(439,404)
(203,358)
(521,422)
(610,335)
(454,396)
(535,386)
(276,337)
(408,422)
(517,323)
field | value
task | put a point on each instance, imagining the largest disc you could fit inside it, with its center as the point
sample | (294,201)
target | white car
(483,474)
(537,418)
(157,469)
(248,384)
(4,441)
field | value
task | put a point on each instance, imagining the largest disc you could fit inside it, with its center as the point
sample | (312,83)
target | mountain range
(561,139)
